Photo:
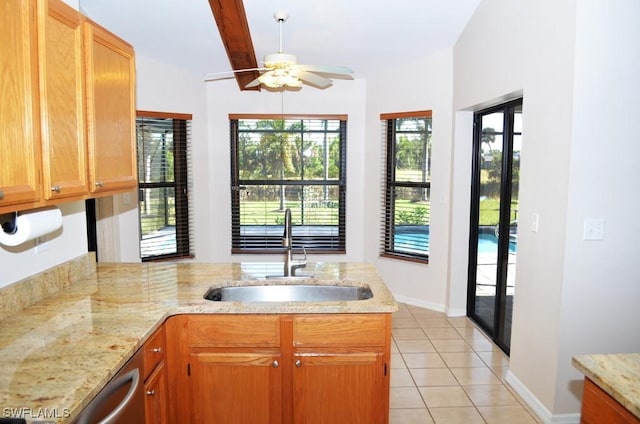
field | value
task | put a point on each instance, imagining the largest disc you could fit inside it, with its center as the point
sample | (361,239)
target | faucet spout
(286,237)
(290,265)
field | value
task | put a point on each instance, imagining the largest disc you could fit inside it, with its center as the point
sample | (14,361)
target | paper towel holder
(10,227)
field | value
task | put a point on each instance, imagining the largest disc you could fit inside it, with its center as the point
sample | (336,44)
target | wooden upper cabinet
(110,84)
(61,64)
(19,129)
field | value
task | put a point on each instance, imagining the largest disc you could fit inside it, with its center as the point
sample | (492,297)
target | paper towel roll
(31,225)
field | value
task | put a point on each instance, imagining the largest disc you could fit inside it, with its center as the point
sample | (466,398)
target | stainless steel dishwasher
(121,401)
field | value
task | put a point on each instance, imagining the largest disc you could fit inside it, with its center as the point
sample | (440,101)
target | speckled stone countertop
(57,353)
(617,374)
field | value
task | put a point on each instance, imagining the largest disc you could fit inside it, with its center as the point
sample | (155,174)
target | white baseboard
(432,306)
(538,408)
(456,312)
(419,302)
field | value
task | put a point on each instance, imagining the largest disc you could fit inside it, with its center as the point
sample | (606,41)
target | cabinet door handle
(1,194)
(275,364)
(156,350)
(56,188)
(151,392)
(298,363)
(99,184)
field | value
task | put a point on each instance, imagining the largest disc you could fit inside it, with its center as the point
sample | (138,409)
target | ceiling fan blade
(313,79)
(214,75)
(326,69)
(256,82)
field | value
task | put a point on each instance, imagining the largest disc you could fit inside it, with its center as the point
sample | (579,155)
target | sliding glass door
(493,241)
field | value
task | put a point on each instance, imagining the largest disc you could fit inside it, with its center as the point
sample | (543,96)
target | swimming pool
(417,241)
(488,243)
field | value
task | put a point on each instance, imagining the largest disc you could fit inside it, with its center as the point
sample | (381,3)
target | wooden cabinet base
(598,407)
(280,369)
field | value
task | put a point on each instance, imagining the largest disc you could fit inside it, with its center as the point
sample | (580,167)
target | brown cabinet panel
(156,401)
(598,407)
(110,83)
(234,330)
(19,107)
(62,100)
(339,330)
(332,387)
(236,387)
(154,351)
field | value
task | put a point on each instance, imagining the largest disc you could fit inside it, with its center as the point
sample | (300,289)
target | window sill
(405,258)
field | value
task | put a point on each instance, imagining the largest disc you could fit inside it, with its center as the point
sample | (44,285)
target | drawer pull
(298,363)
(99,184)
(56,188)
(151,392)
(156,350)
(275,364)
(1,194)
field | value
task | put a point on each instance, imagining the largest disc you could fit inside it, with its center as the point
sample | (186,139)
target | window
(163,142)
(285,162)
(407,185)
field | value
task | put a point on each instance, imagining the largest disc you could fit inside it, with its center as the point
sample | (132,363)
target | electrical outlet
(593,229)
(126,198)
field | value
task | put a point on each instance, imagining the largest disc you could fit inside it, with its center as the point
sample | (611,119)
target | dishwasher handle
(132,376)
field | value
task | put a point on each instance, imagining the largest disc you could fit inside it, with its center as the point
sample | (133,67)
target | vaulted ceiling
(361,34)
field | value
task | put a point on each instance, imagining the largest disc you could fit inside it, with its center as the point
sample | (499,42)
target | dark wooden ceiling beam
(234,31)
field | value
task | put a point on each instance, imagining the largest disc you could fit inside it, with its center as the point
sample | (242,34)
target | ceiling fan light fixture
(280,60)
(280,78)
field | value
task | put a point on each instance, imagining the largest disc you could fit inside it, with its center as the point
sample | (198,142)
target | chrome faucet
(290,264)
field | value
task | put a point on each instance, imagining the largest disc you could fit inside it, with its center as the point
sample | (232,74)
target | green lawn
(490,212)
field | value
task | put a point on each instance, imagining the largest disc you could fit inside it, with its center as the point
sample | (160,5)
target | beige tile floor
(446,371)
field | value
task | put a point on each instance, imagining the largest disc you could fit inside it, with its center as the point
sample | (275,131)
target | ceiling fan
(281,70)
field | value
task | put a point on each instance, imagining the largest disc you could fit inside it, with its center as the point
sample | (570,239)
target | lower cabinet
(156,401)
(236,387)
(331,387)
(598,407)
(156,395)
(322,368)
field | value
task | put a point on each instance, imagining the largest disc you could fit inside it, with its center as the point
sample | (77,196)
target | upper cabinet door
(19,129)
(64,155)
(110,79)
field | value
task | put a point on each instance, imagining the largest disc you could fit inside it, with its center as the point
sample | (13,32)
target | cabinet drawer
(154,351)
(345,330)
(234,331)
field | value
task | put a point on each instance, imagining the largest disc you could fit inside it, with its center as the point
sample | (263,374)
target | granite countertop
(617,374)
(59,352)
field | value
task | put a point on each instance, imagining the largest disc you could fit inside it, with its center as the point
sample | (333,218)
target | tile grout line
(486,357)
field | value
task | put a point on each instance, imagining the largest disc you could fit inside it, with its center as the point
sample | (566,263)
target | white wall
(526,47)
(163,87)
(424,82)
(69,242)
(600,284)
(575,73)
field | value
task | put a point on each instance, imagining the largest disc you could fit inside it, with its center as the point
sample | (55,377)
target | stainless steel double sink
(286,291)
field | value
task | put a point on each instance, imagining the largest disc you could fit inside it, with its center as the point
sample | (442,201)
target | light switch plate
(535,221)
(593,229)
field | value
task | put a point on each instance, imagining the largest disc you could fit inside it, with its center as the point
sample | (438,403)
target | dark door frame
(497,332)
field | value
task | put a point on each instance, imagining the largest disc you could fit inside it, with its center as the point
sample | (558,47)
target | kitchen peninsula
(88,320)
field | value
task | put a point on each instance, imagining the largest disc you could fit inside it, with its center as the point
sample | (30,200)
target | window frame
(180,184)
(239,244)
(390,183)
